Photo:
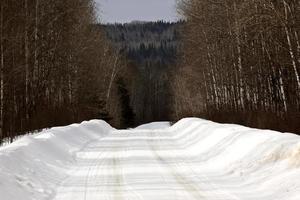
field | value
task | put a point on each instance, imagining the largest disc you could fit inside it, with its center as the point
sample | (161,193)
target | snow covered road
(193,159)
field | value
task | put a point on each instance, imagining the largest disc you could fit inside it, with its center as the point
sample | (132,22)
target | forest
(241,63)
(55,66)
(59,66)
(228,61)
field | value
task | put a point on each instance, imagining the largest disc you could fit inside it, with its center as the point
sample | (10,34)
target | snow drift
(193,159)
(32,167)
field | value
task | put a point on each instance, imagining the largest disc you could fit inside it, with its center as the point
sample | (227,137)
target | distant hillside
(152,50)
(146,42)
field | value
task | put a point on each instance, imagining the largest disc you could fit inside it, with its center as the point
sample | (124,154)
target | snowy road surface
(193,159)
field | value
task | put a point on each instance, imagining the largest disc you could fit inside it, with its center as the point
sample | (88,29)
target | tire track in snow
(92,166)
(98,162)
(118,179)
(71,170)
(187,184)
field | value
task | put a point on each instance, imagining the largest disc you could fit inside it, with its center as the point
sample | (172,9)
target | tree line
(56,68)
(240,62)
(230,61)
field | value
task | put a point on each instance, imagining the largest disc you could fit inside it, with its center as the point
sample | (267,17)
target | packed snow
(193,159)
(154,126)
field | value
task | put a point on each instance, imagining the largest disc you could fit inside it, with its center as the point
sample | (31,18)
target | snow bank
(247,163)
(33,166)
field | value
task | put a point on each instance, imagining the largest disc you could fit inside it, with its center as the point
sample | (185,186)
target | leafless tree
(243,56)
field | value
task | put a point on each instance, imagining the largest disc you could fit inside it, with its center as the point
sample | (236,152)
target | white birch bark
(282,91)
(239,58)
(112,77)
(291,52)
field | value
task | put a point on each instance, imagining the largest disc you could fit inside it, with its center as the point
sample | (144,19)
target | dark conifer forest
(151,50)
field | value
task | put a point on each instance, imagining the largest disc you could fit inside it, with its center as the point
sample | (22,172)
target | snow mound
(33,166)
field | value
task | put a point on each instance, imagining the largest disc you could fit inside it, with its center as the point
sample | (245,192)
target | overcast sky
(112,11)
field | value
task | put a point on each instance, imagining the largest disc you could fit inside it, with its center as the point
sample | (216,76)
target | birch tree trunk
(27,54)
(282,92)
(1,72)
(239,56)
(291,52)
(36,62)
(112,77)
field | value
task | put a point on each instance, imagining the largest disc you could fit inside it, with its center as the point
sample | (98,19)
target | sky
(123,11)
